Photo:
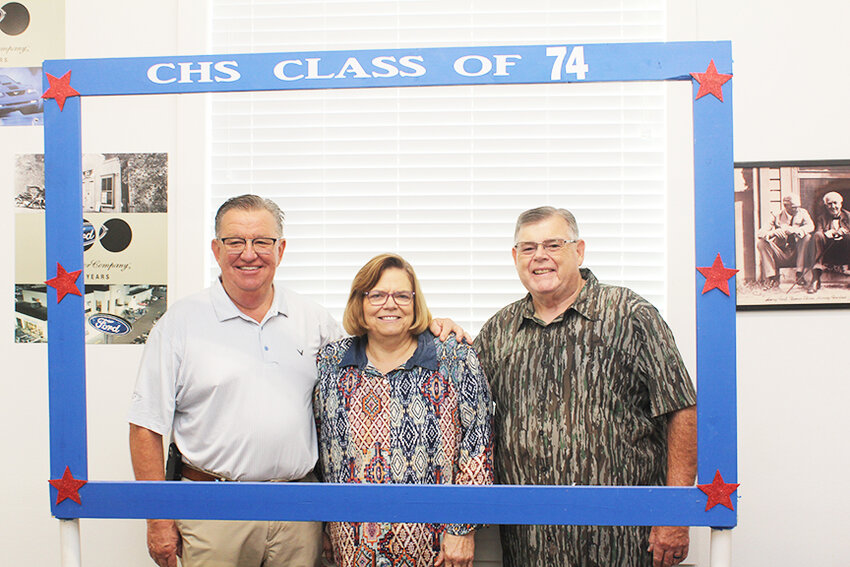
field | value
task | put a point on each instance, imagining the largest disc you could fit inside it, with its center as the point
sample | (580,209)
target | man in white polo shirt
(229,373)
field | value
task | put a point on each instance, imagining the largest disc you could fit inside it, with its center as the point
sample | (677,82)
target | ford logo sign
(110,324)
(89,234)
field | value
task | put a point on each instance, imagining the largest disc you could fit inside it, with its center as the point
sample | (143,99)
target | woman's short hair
(354,320)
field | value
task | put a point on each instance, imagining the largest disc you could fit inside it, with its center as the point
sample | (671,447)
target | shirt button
(266,348)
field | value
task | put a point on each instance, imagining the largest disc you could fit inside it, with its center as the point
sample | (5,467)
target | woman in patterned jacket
(395,405)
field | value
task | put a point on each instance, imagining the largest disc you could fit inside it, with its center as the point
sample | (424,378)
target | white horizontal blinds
(439,174)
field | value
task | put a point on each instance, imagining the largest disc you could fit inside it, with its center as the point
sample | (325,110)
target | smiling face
(247,276)
(550,278)
(389,320)
(833,204)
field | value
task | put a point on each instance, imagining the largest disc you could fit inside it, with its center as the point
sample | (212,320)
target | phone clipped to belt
(174,464)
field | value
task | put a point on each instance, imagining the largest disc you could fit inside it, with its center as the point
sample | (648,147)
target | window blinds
(439,174)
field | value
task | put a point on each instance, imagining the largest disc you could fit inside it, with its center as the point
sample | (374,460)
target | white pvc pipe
(721,548)
(69,540)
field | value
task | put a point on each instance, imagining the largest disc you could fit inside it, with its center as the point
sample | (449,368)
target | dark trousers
(827,252)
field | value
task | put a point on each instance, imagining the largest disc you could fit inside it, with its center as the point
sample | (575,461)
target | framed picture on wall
(792,223)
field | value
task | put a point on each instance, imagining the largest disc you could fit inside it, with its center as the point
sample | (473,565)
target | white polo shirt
(237,394)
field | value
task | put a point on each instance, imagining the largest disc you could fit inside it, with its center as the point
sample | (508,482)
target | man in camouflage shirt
(589,389)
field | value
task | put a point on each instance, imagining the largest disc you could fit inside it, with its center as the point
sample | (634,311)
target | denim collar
(425,355)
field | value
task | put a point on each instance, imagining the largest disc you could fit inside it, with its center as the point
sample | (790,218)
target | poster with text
(124,240)
(30,32)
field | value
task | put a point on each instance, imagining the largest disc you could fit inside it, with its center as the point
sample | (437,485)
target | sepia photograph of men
(793,234)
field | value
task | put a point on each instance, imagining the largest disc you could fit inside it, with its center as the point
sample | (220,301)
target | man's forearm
(682,447)
(146,453)
(164,543)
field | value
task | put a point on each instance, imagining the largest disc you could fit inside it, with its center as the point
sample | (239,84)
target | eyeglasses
(552,246)
(236,244)
(378,298)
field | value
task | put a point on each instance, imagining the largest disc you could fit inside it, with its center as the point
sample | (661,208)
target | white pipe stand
(721,548)
(69,540)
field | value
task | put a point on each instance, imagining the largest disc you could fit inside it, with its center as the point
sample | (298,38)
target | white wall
(791,86)
(790,83)
(30,536)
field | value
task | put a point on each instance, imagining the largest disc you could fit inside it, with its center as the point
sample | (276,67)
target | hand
(668,545)
(164,542)
(442,328)
(327,549)
(456,551)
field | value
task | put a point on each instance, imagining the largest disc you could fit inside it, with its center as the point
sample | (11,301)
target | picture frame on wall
(792,229)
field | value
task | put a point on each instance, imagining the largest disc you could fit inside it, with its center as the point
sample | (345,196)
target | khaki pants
(226,543)
(221,543)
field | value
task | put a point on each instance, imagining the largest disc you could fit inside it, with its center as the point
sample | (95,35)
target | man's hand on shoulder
(442,328)
(668,545)
(164,542)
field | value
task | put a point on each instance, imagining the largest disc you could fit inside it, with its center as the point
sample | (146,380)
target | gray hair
(538,214)
(249,203)
(835,196)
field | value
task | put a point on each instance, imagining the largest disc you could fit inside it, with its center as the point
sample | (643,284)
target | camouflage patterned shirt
(582,400)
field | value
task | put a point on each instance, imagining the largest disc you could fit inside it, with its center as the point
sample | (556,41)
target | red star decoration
(718,492)
(60,89)
(64,282)
(68,486)
(711,82)
(717,276)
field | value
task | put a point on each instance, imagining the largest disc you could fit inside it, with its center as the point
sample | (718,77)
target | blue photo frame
(714,228)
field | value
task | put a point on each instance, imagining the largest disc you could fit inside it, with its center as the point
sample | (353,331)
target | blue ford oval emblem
(106,323)
(89,234)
